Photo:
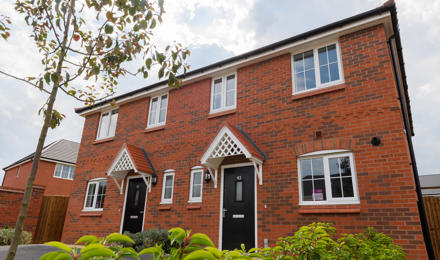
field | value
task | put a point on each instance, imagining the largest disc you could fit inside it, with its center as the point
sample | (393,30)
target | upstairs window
(317,68)
(64,172)
(107,124)
(95,195)
(167,187)
(327,179)
(196,184)
(223,93)
(158,111)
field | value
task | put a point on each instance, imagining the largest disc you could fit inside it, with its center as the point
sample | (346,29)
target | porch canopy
(131,159)
(231,141)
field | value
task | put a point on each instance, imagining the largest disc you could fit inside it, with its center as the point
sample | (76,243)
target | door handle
(224,212)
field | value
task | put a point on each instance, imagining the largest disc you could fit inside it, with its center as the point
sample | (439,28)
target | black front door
(239,207)
(134,205)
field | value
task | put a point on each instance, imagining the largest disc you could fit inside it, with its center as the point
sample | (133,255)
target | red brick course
(10,203)
(283,128)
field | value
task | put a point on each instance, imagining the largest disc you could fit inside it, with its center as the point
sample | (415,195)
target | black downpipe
(421,207)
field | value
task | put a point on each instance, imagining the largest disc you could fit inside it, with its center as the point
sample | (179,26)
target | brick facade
(10,203)
(283,126)
(44,177)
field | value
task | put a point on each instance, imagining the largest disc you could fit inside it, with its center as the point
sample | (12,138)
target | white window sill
(327,203)
(166,202)
(155,126)
(220,110)
(67,179)
(91,210)
(195,201)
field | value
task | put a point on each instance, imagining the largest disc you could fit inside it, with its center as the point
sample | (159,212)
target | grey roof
(63,151)
(430,180)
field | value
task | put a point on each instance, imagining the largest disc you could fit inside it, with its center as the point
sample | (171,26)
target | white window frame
(159,98)
(109,123)
(170,200)
(93,181)
(191,183)
(223,106)
(71,168)
(316,67)
(326,155)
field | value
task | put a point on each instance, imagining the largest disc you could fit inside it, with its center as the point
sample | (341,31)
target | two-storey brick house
(251,148)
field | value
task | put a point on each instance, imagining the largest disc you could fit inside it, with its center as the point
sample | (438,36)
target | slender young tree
(83,57)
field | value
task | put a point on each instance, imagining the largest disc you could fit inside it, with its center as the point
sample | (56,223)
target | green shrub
(6,235)
(309,242)
(150,238)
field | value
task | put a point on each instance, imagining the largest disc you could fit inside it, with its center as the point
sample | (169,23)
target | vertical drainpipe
(421,207)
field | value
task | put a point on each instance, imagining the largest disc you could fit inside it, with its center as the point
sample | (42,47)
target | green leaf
(54,77)
(201,239)
(161,72)
(59,245)
(108,29)
(150,250)
(88,239)
(199,255)
(153,24)
(105,252)
(176,234)
(57,255)
(116,237)
(91,247)
(47,77)
(148,63)
(149,15)
(214,251)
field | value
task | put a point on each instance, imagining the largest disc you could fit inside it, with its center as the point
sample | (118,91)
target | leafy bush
(6,235)
(150,238)
(309,242)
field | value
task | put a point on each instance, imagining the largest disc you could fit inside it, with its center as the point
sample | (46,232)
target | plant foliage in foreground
(309,242)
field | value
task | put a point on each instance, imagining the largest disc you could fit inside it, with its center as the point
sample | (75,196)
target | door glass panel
(136,196)
(239,190)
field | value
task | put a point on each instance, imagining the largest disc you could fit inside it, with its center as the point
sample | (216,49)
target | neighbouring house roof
(63,151)
(389,6)
(430,184)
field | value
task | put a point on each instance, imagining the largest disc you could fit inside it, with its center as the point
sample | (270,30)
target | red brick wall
(10,203)
(283,127)
(54,186)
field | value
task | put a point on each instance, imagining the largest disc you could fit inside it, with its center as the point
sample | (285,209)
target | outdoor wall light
(207,176)
(154,179)
(375,141)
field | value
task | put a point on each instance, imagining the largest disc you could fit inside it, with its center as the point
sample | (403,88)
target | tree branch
(24,80)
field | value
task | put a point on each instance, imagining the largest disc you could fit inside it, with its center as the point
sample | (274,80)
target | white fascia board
(384,18)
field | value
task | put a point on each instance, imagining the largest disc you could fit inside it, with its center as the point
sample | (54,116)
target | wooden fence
(51,219)
(432,208)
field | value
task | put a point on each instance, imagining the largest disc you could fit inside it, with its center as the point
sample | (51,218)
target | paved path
(34,252)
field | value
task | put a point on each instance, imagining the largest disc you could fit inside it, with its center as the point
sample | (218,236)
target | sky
(214,30)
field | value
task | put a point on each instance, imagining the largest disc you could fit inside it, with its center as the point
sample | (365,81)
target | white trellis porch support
(226,143)
(121,166)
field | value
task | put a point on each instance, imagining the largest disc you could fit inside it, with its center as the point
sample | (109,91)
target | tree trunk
(36,160)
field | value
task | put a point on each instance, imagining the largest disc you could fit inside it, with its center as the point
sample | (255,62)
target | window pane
(169,181)
(332,53)
(230,83)
(298,63)
(218,86)
(197,178)
(336,188)
(323,72)
(167,194)
(90,195)
(310,79)
(217,95)
(163,108)
(345,166)
(217,101)
(196,190)
(300,83)
(334,71)
(89,201)
(72,172)
(58,169)
(153,110)
(239,190)
(347,185)
(307,188)
(334,167)
(306,169)
(99,202)
(319,190)
(230,98)
(113,121)
(318,168)
(103,128)
(102,187)
(322,54)
(65,173)
(308,60)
